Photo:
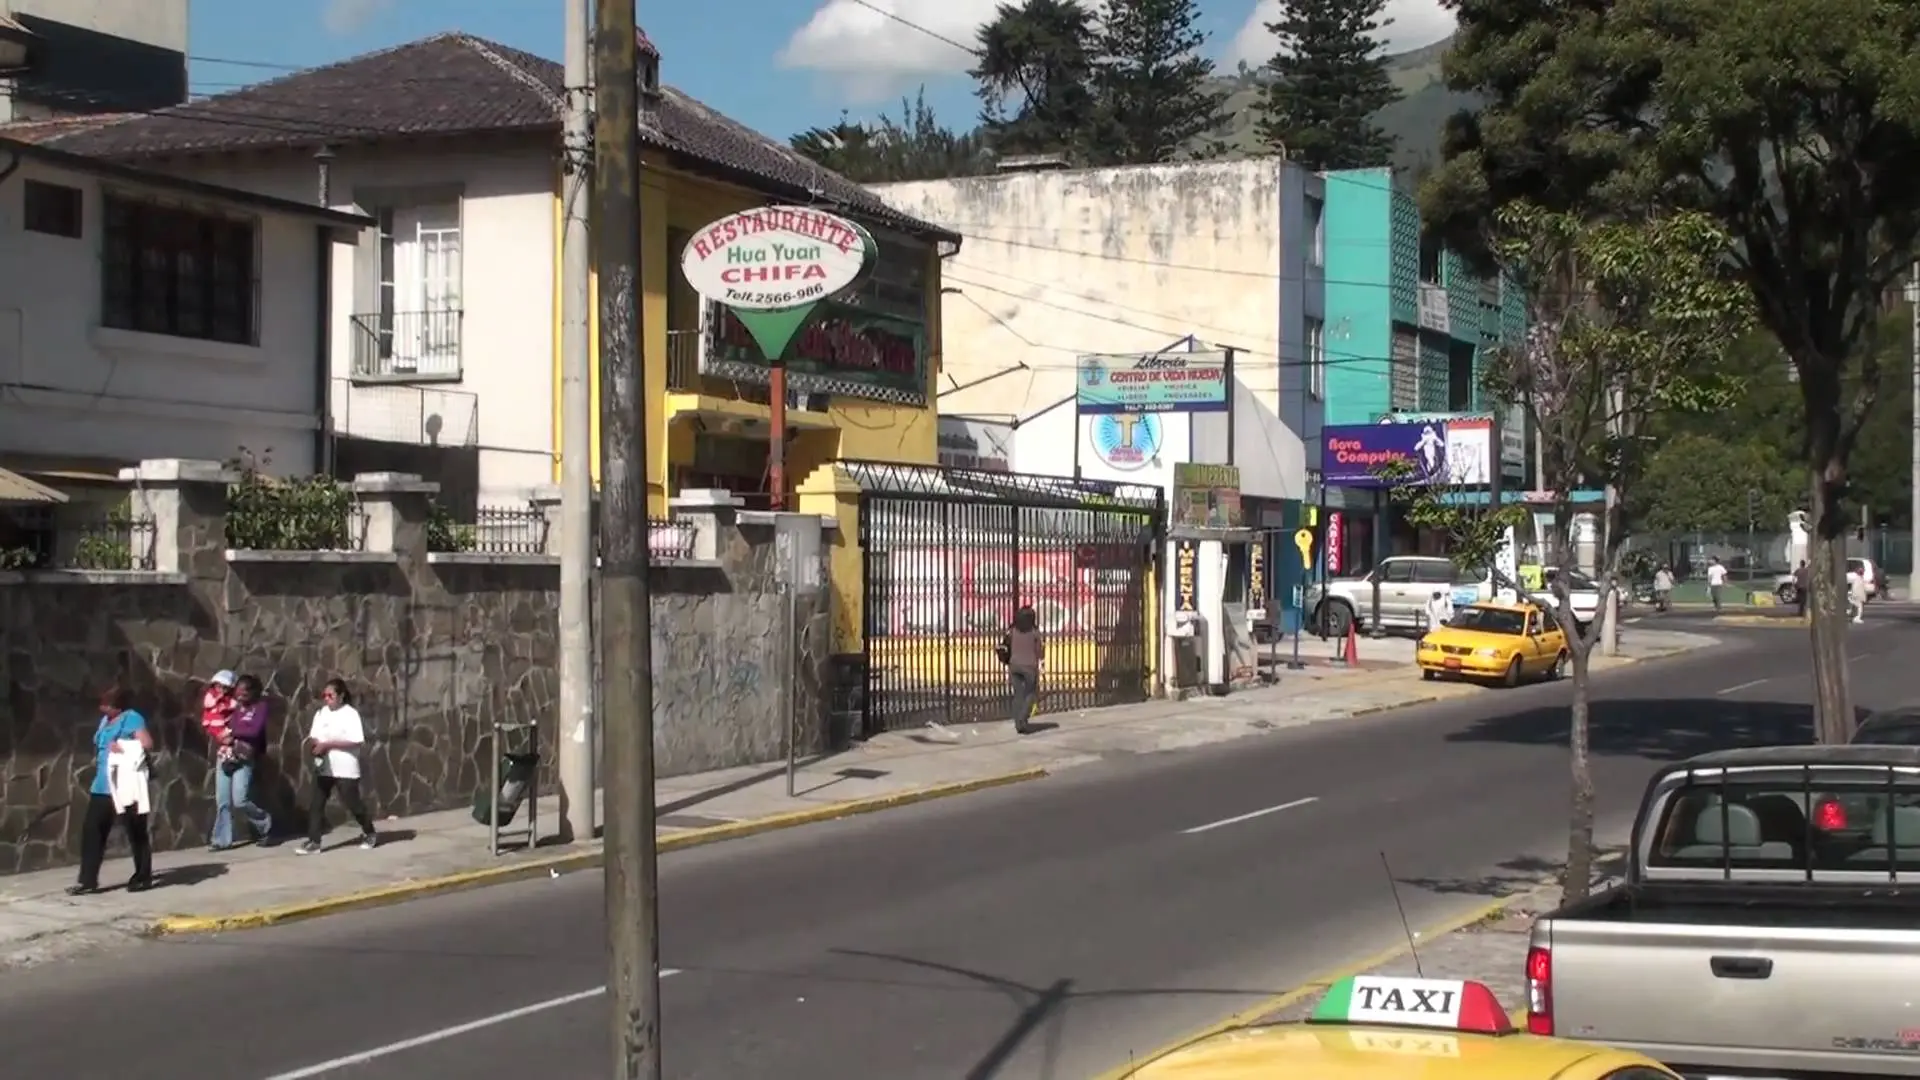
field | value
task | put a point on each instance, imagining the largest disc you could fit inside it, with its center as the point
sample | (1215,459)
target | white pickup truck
(1769,926)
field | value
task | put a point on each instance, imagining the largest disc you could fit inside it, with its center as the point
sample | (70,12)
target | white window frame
(1316,357)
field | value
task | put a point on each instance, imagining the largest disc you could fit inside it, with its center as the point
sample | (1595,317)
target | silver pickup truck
(1768,927)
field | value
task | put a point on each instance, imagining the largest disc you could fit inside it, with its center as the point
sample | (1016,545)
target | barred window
(178,271)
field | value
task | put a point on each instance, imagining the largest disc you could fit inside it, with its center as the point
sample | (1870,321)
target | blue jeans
(230,794)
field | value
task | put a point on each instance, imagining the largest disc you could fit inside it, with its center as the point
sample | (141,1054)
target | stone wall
(436,647)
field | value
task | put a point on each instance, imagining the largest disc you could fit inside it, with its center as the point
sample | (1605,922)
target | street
(1040,931)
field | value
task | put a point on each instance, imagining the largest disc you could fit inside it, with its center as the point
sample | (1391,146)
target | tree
(1151,82)
(1328,81)
(1698,483)
(914,147)
(1625,320)
(1795,124)
(1035,77)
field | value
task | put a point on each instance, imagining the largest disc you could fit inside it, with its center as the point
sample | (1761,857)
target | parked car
(1583,594)
(1406,584)
(1787,591)
(1758,881)
(1509,642)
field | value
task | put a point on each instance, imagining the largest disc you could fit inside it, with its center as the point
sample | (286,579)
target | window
(1316,359)
(179,271)
(52,209)
(1399,571)
(1433,572)
(1317,228)
(1490,620)
(1430,261)
(1865,822)
(417,326)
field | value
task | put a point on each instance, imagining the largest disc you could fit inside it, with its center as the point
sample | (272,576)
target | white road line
(1249,817)
(443,1034)
(1742,686)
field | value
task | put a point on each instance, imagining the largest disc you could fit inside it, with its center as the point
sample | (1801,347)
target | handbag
(1004,650)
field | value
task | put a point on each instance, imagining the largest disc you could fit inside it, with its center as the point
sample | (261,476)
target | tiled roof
(39,131)
(458,84)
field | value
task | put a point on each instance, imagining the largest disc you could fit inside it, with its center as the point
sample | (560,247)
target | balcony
(684,377)
(407,346)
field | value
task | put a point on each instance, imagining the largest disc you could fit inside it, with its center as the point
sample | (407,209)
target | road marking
(444,1034)
(1742,686)
(1249,817)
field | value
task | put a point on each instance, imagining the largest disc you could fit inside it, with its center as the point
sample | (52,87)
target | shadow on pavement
(1040,1006)
(1520,874)
(189,875)
(1656,730)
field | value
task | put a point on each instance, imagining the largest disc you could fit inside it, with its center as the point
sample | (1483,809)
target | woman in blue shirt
(118,722)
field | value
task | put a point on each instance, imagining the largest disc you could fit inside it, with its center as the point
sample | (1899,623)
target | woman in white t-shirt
(333,746)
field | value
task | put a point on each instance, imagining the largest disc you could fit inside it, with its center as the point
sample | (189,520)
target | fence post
(187,502)
(712,513)
(396,506)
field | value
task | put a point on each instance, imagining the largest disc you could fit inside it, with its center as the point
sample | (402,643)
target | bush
(444,531)
(108,544)
(312,513)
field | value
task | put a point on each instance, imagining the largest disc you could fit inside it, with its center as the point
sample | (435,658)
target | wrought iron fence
(407,344)
(70,537)
(669,539)
(510,530)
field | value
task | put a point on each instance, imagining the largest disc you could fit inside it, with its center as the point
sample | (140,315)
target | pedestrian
(1856,594)
(1024,652)
(1802,581)
(1716,581)
(243,744)
(333,746)
(1663,588)
(1439,610)
(120,792)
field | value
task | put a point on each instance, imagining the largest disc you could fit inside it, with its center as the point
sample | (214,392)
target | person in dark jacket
(243,745)
(1026,657)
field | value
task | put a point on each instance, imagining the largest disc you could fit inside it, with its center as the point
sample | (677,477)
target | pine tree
(1328,79)
(916,146)
(1151,82)
(1035,77)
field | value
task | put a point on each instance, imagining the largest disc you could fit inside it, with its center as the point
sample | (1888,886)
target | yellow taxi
(1509,642)
(1376,1028)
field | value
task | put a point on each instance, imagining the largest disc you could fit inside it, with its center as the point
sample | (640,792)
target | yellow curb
(569,862)
(1312,986)
(1780,621)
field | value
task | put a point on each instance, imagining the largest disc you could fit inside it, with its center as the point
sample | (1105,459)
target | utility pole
(1913,520)
(575,730)
(626,626)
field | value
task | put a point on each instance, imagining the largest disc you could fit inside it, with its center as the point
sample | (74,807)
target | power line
(911,25)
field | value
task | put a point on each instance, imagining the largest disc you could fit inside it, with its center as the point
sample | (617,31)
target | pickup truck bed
(1801,980)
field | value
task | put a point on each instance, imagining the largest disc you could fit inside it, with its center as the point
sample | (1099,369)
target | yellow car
(1509,642)
(1374,1028)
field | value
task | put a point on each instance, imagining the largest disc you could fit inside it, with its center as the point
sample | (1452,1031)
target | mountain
(1415,120)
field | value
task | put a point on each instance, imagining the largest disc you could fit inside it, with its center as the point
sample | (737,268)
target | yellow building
(864,371)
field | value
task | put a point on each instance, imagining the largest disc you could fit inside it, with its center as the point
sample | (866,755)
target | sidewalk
(199,891)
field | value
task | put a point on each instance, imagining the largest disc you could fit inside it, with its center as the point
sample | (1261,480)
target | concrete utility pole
(626,628)
(575,729)
(1913,521)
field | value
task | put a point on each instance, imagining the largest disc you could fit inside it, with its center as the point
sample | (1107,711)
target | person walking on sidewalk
(119,793)
(333,745)
(1716,581)
(1025,653)
(1663,588)
(1802,581)
(243,744)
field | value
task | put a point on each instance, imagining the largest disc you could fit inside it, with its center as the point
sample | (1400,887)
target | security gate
(948,556)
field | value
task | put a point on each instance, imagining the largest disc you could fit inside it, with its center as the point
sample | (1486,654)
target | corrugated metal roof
(15,488)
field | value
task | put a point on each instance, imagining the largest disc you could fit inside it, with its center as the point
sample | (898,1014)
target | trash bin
(516,780)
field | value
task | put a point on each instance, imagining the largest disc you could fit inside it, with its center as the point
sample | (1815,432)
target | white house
(144,315)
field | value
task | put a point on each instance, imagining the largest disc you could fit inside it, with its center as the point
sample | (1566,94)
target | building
(143,315)
(94,56)
(1062,264)
(443,338)
(1409,328)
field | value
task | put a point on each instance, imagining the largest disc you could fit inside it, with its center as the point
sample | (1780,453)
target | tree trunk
(1578,879)
(1610,624)
(1827,609)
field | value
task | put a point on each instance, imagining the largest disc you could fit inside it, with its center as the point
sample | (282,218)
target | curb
(1784,622)
(570,862)
(1315,984)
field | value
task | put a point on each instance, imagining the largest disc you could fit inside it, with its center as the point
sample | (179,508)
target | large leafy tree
(1626,320)
(915,146)
(1699,483)
(1035,77)
(1793,123)
(1328,79)
(1151,82)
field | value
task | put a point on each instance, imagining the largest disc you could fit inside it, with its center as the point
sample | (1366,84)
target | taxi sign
(1448,1004)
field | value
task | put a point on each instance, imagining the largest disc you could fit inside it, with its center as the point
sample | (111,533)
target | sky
(779,66)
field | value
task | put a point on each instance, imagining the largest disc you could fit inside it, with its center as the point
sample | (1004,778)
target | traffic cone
(1352,657)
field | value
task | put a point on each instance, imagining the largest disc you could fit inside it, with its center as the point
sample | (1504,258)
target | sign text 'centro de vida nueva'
(771,265)
(1155,382)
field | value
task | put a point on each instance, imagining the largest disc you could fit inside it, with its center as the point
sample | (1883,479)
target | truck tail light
(1830,816)
(1539,991)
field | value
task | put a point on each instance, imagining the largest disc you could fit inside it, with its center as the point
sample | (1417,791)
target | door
(1543,643)
(426,255)
(1397,590)
(1430,576)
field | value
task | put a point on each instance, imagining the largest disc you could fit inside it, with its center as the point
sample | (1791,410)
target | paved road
(1040,931)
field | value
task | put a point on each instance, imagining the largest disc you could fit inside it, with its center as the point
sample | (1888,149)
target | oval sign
(777,257)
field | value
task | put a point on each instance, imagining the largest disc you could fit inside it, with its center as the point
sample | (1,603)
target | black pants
(101,814)
(349,790)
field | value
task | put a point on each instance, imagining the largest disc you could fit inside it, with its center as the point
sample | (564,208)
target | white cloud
(1415,23)
(871,57)
(343,17)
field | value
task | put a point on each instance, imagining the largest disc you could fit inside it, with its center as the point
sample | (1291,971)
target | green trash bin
(515,781)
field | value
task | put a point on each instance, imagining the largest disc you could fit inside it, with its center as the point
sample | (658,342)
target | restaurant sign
(843,350)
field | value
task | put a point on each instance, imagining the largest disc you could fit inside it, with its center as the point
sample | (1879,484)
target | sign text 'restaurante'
(810,224)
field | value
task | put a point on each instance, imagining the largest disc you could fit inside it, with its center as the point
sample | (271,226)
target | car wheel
(1787,593)
(1429,674)
(1512,678)
(1334,618)
(1559,668)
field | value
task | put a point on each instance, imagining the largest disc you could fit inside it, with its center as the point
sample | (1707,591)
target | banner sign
(1257,571)
(1155,382)
(1336,541)
(974,444)
(1453,451)
(1207,496)
(1186,576)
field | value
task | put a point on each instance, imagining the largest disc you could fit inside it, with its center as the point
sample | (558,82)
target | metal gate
(948,555)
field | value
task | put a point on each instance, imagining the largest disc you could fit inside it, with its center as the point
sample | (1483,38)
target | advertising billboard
(1440,448)
(1153,382)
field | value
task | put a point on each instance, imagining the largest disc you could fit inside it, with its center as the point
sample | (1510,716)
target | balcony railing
(407,345)
(683,361)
